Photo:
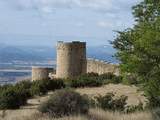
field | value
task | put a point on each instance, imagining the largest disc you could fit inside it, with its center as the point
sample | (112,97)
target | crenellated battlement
(70,45)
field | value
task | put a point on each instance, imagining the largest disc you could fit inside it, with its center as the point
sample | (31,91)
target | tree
(139,48)
(148,10)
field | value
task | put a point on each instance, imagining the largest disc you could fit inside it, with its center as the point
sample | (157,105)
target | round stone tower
(40,73)
(71,59)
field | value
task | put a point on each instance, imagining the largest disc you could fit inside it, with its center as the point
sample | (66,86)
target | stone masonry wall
(71,59)
(101,67)
(40,73)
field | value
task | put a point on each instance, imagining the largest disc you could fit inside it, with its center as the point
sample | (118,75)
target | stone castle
(71,62)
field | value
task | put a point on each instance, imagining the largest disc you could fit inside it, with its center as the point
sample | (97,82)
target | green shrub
(23,94)
(94,80)
(120,103)
(65,103)
(107,76)
(116,80)
(134,108)
(9,99)
(129,79)
(12,98)
(110,78)
(92,74)
(154,101)
(92,102)
(108,102)
(85,81)
(6,86)
(152,92)
(26,84)
(55,84)
(41,87)
(38,88)
(25,87)
(105,102)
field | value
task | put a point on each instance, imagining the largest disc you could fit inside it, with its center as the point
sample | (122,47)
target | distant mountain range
(9,54)
(105,53)
(25,53)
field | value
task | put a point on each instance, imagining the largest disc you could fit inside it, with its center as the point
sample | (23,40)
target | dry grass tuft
(134,96)
(94,114)
(16,114)
(39,116)
(30,113)
(97,114)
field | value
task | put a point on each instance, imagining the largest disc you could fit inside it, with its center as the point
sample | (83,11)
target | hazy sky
(43,22)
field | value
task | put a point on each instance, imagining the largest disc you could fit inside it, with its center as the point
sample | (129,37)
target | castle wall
(40,73)
(72,62)
(101,67)
(71,59)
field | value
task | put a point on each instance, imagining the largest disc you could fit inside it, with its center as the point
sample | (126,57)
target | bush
(94,80)
(86,81)
(129,79)
(110,78)
(65,103)
(92,74)
(38,88)
(134,108)
(12,98)
(41,87)
(152,92)
(26,84)
(23,94)
(6,86)
(25,87)
(154,101)
(107,76)
(108,102)
(55,84)
(116,80)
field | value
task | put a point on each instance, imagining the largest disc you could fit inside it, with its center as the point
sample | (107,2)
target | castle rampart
(101,67)
(72,62)
(71,59)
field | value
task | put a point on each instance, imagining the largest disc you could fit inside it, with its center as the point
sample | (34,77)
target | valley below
(16,61)
(17,71)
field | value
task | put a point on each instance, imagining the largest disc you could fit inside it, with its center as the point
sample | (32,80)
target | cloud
(49,6)
(105,24)
(114,24)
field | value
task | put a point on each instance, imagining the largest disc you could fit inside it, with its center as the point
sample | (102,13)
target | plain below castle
(72,61)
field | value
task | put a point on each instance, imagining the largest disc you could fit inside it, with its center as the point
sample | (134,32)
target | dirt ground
(134,96)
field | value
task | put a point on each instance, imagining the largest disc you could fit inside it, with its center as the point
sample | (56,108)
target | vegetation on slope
(139,53)
(96,114)
(139,49)
(14,96)
(65,103)
(133,99)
